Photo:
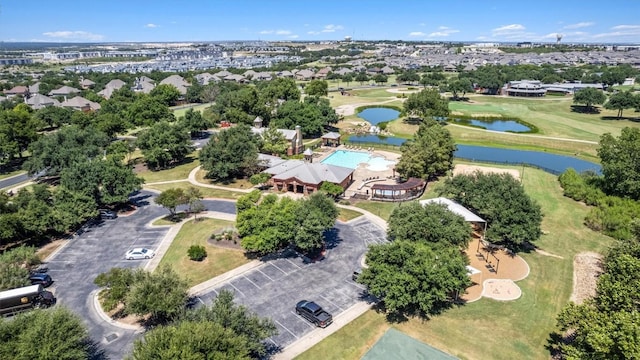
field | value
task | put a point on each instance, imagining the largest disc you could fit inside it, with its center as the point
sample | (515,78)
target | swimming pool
(352,159)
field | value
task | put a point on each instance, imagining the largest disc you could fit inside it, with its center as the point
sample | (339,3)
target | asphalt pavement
(14,180)
(99,247)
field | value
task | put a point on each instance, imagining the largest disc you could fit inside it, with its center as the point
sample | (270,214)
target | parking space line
(268,277)
(331,302)
(294,264)
(276,266)
(284,327)
(254,284)
(353,283)
(202,302)
(305,321)
(274,343)
(241,293)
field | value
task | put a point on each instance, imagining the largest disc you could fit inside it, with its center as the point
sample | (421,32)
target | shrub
(197,252)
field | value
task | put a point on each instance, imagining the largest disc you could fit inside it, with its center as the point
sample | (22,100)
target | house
(35,88)
(387,70)
(80,103)
(249,74)
(322,73)
(293,137)
(285,74)
(305,74)
(178,81)
(343,71)
(263,76)
(528,88)
(206,78)
(303,177)
(17,90)
(450,68)
(235,77)
(143,84)
(39,101)
(86,83)
(222,74)
(64,91)
(111,86)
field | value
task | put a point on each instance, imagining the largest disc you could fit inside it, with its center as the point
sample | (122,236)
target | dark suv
(314,313)
(107,214)
(41,279)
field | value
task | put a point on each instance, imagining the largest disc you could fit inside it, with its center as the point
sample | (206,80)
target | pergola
(407,190)
(456,208)
(331,139)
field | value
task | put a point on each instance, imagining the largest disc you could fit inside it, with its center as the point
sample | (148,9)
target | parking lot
(98,248)
(273,289)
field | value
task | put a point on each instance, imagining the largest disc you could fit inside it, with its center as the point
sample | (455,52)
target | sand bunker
(501,289)
(470,169)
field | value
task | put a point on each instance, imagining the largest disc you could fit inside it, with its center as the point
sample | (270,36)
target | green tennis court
(396,345)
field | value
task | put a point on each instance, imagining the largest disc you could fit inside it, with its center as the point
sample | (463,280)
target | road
(14,180)
(100,247)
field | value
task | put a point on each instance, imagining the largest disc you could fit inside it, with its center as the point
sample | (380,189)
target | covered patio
(408,190)
(331,139)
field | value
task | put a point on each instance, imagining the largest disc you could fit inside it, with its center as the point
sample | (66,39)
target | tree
(194,93)
(429,154)
(460,86)
(238,318)
(116,284)
(620,158)
(348,78)
(269,225)
(273,142)
(317,214)
(193,122)
(380,78)
(427,104)
(147,110)
(589,97)
(409,76)
(166,94)
(44,334)
(230,153)
(71,209)
(620,101)
(317,88)
(432,79)
(362,78)
(162,294)
(170,199)
(55,152)
(513,218)
(18,129)
(332,189)
(164,144)
(54,116)
(193,197)
(414,278)
(259,179)
(432,223)
(312,115)
(280,89)
(14,267)
(191,340)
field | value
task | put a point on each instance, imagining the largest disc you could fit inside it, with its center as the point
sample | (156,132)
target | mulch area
(587,267)
(498,264)
(225,244)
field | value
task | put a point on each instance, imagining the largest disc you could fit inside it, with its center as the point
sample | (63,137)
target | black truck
(314,313)
(16,300)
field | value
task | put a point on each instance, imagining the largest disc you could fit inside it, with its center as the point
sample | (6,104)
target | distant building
(15,61)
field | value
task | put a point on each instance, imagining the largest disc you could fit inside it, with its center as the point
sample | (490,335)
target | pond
(552,163)
(376,115)
(495,125)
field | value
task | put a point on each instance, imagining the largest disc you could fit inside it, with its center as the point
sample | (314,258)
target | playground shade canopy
(455,208)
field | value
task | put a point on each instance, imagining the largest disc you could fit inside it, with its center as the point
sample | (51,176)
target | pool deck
(363,177)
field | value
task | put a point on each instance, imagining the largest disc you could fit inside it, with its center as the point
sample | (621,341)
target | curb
(102,315)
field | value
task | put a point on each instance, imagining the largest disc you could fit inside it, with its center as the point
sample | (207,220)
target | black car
(107,214)
(41,279)
(314,313)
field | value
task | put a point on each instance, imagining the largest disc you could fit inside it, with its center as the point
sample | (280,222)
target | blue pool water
(374,116)
(352,159)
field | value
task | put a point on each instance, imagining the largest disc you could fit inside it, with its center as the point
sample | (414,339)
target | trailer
(20,299)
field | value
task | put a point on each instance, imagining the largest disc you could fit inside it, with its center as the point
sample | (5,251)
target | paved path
(14,180)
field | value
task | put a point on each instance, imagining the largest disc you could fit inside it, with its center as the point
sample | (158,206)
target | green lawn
(491,329)
(205,191)
(178,172)
(180,111)
(348,214)
(218,260)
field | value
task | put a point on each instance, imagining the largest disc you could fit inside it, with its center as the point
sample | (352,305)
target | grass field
(205,191)
(348,214)
(175,173)
(181,110)
(491,329)
(218,260)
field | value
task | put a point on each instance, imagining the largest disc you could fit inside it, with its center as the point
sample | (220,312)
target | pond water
(376,115)
(495,125)
(551,163)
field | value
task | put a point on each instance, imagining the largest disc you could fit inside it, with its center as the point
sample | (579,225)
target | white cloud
(579,25)
(73,35)
(331,28)
(150,25)
(417,33)
(443,31)
(277,32)
(508,29)
(313,32)
(620,31)
(293,36)
(264,32)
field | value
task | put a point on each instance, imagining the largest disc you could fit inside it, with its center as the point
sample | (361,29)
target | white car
(139,253)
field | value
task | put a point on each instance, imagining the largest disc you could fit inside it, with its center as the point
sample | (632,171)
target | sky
(579,21)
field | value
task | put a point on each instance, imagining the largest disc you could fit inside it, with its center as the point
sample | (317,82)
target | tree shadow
(583,109)
(94,350)
(332,238)
(627,118)
(140,199)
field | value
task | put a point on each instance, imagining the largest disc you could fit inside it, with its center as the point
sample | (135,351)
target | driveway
(273,289)
(14,180)
(100,247)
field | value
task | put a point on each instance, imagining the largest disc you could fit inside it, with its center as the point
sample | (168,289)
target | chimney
(299,145)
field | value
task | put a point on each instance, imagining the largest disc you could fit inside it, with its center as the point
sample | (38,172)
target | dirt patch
(544,253)
(118,315)
(226,244)
(45,251)
(501,289)
(587,267)
(470,169)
